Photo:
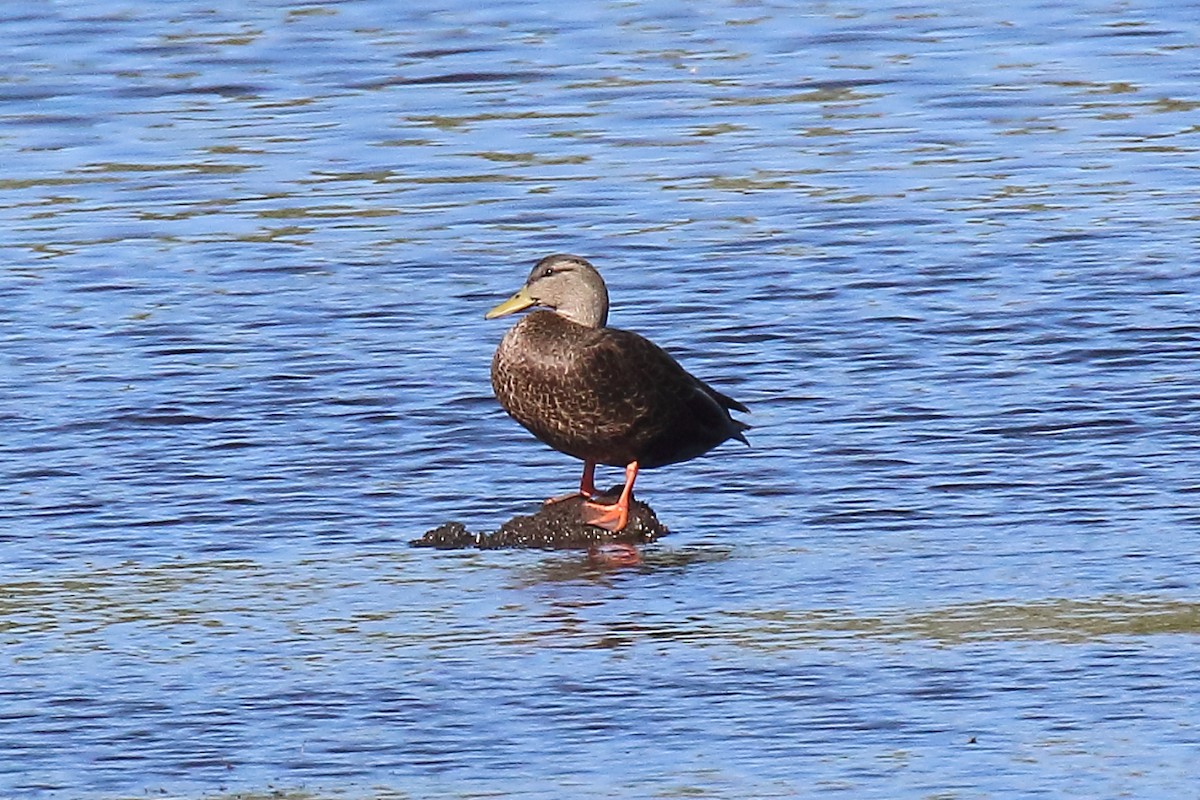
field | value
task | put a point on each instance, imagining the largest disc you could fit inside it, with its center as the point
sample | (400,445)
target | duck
(602,395)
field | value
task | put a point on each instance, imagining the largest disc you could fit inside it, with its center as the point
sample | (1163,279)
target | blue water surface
(946,253)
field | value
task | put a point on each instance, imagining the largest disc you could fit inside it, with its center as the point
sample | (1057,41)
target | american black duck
(600,394)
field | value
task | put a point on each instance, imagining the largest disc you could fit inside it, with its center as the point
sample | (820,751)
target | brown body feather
(607,395)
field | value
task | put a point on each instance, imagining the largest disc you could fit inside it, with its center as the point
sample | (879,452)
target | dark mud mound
(554,527)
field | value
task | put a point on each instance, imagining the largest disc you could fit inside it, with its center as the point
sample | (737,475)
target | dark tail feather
(741,426)
(727,401)
(729,404)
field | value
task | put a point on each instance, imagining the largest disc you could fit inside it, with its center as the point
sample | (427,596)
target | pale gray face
(566,284)
(558,264)
(572,287)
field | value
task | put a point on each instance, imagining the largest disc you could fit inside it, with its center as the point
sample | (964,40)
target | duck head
(567,285)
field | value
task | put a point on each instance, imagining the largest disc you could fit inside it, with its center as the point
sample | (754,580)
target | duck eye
(547,272)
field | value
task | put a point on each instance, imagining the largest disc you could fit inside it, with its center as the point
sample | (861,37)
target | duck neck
(590,308)
(588,316)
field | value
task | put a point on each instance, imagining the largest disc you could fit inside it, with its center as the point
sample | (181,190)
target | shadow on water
(1064,620)
(237,596)
(579,568)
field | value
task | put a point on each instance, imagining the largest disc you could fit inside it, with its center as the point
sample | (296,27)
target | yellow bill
(518,302)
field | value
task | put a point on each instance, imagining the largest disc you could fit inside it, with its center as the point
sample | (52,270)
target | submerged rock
(554,527)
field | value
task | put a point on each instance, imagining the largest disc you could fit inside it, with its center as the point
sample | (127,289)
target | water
(946,255)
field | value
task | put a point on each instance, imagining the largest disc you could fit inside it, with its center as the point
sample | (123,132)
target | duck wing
(647,404)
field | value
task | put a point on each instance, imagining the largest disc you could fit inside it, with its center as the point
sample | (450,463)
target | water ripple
(944,257)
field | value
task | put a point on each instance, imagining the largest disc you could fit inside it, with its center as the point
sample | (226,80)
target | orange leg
(613,517)
(586,486)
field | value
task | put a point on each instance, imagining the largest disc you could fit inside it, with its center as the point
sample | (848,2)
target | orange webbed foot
(611,518)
